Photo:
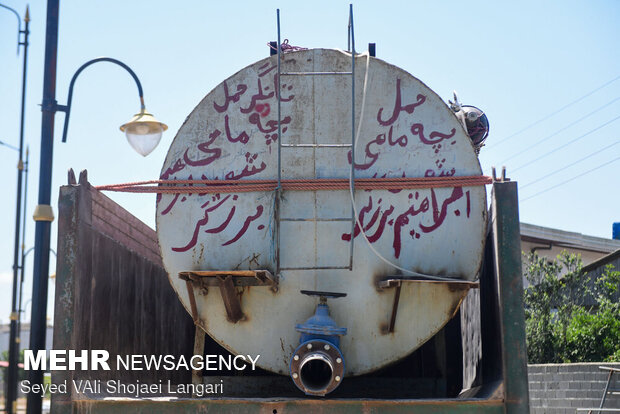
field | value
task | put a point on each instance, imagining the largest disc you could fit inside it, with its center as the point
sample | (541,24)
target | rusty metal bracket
(502,179)
(227,281)
(192,301)
(397,282)
(394,308)
(231,299)
(206,278)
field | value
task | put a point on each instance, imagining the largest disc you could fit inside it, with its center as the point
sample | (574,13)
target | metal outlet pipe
(317,367)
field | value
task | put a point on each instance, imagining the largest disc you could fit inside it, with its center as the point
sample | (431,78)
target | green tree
(594,335)
(560,327)
(539,316)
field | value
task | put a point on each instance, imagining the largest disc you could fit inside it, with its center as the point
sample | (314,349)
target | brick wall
(562,388)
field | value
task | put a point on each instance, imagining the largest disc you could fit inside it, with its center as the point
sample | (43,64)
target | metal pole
(19,24)
(22,267)
(507,258)
(22,309)
(278,192)
(11,395)
(353,221)
(611,373)
(38,322)
(349,31)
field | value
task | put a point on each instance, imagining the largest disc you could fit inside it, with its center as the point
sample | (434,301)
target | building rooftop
(603,261)
(567,239)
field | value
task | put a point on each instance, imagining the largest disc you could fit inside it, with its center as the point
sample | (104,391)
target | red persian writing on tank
(245,113)
(378,217)
(387,118)
(386,217)
(209,207)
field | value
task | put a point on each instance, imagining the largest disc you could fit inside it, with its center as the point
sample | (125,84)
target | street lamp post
(22,267)
(22,309)
(11,395)
(143,124)
(143,131)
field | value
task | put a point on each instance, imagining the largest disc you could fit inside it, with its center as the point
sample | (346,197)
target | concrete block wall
(562,388)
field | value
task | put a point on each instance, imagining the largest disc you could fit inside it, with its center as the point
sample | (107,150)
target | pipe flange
(317,367)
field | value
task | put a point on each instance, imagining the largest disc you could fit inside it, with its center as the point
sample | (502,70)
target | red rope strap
(244,186)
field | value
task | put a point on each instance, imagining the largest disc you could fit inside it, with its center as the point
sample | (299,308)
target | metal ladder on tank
(278,193)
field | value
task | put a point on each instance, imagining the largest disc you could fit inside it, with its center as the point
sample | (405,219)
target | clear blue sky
(518,61)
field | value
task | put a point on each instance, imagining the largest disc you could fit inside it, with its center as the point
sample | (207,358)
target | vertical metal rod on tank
(353,221)
(279,188)
(349,31)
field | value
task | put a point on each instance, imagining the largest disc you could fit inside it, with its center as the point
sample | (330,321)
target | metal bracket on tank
(227,281)
(397,282)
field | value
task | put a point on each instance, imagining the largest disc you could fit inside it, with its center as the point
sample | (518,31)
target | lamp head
(143,132)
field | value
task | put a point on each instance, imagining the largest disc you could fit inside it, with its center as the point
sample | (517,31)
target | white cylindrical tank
(406,130)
